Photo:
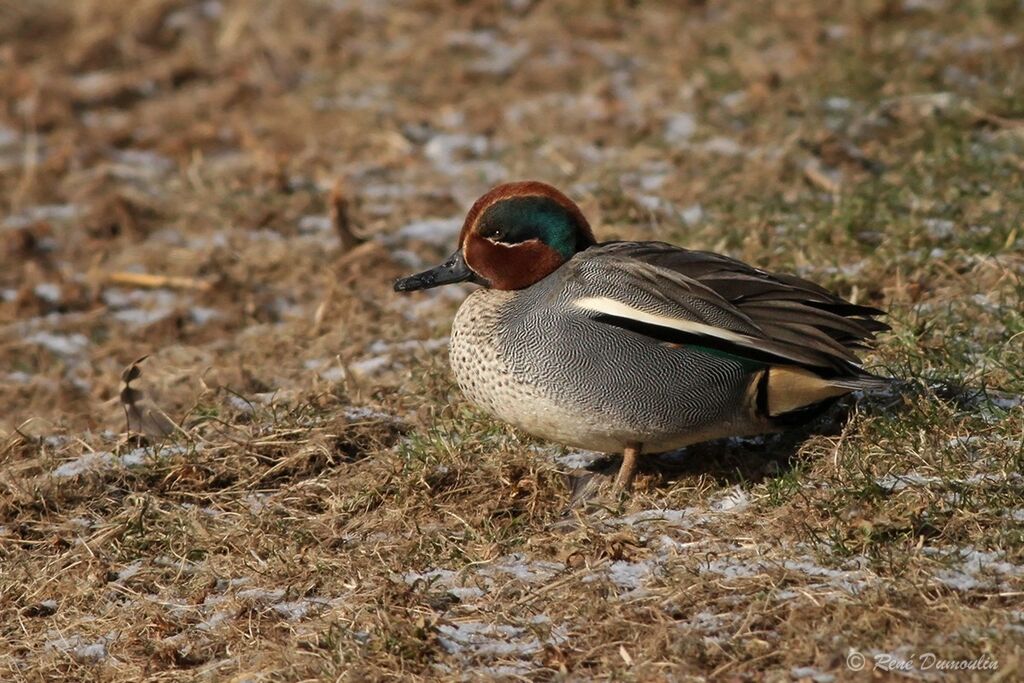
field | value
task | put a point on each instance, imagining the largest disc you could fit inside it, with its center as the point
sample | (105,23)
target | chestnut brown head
(514,236)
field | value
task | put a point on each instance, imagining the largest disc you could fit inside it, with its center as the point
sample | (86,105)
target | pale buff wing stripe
(791,388)
(606,306)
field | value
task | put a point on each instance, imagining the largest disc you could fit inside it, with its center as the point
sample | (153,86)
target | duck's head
(515,235)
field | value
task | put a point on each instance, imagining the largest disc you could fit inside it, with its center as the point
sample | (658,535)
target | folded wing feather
(679,295)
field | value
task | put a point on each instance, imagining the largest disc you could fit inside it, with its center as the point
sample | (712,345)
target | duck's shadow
(728,462)
(755,459)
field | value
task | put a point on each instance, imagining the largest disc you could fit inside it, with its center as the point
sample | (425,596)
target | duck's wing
(700,298)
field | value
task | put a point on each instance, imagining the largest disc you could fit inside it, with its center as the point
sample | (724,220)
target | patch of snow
(447,151)
(257,502)
(732,568)
(721,145)
(224,584)
(435,344)
(522,568)
(898,482)
(140,308)
(466,593)
(706,621)
(632,575)
(202,315)
(140,163)
(652,182)
(42,212)
(47,291)
(990,478)
(973,568)
(692,214)
(733,99)
(457,154)
(971,45)
(315,223)
(480,639)
(810,672)
(94,83)
(240,404)
(333,374)
(205,510)
(179,564)
(474,583)
(138,317)
(654,204)
(838,103)
(8,136)
(106,460)
(388,191)
(443,577)
(939,228)
(1006,402)
(214,620)
(135,457)
(84,462)
(680,127)
(734,500)
(440,232)
(364,414)
(837,32)
(373,97)
(78,647)
(499,57)
(67,345)
(326,370)
(931,6)
(128,571)
(298,609)
(850,581)
(983,301)
(367,367)
(575,459)
(407,258)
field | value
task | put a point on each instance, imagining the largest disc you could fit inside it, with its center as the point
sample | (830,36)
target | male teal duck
(636,347)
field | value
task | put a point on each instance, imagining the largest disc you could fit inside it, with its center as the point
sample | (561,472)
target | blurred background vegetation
(230,186)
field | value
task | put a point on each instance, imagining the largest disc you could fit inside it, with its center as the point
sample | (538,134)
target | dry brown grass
(332,508)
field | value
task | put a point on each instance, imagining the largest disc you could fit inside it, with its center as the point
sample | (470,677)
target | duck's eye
(491,232)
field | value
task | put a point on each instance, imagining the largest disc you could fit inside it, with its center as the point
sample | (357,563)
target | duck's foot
(627,470)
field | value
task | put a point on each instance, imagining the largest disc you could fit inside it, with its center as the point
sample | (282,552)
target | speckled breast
(479,363)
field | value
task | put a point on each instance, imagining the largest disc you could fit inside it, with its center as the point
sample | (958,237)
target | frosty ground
(175,181)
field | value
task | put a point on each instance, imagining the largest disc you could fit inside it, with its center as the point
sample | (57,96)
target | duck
(636,347)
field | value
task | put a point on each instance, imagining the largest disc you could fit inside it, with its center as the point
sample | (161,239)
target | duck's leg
(627,470)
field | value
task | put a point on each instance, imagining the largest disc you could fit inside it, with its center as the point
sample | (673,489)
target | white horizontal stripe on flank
(602,304)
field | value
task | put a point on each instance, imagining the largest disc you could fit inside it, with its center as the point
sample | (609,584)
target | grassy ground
(332,507)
